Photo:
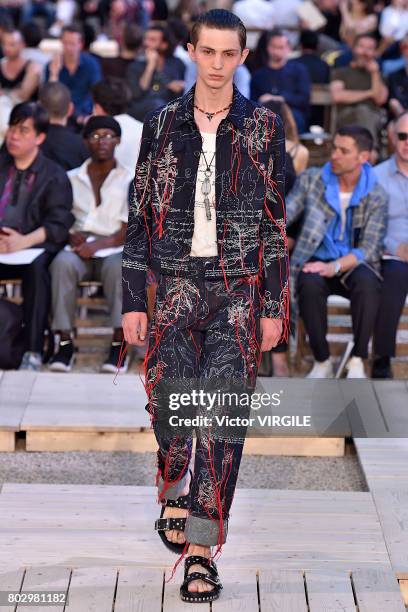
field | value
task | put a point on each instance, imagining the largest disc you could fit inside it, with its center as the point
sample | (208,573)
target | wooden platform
(322,549)
(78,411)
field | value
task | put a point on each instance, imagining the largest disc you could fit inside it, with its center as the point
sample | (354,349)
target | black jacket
(250,209)
(65,147)
(50,201)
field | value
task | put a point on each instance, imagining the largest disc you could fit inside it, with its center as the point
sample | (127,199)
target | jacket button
(197,153)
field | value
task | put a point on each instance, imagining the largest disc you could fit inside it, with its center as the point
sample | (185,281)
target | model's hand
(271,331)
(320,267)
(11,241)
(134,326)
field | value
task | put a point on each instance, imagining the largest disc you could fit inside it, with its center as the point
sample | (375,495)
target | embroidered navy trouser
(202,329)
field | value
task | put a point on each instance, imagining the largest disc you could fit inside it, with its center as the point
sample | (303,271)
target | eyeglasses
(402,136)
(98,137)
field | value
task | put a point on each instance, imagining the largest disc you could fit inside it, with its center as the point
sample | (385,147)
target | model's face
(278,49)
(345,156)
(12,45)
(72,44)
(364,51)
(102,144)
(22,140)
(217,55)
(401,146)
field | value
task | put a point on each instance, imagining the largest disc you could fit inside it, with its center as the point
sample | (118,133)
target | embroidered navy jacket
(250,207)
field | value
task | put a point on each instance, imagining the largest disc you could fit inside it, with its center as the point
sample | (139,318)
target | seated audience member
(283,78)
(398,84)
(393,177)
(394,22)
(129,49)
(357,17)
(298,153)
(111,97)
(159,77)
(32,36)
(19,77)
(358,89)
(319,71)
(181,36)
(101,191)
(76,70)
(122,12)
(339,246)
(35,211)
(62,144)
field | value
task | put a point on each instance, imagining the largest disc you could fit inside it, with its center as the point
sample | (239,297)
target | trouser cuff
(175,490)
(204,531)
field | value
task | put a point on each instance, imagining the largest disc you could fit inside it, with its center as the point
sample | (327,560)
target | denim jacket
(250,208)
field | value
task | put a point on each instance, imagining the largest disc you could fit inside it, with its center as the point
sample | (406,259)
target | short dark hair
(30,110)
(32,34)
(132,36)
(6,22)
(73,28)
(55,98)
(168,37)
(309,40)
(361,136)
(366,35)
(113,94)
(275,33)
(219,19)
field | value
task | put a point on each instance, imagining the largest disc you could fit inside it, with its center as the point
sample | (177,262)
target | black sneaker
(382,368)
(64,358)
(111,363)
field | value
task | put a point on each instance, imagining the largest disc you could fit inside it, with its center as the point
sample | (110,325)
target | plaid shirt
(250,209)
(368,224)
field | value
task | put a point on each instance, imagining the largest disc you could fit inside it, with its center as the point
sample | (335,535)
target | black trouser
(201,331)
(364,292)
(36,289)
(393,296)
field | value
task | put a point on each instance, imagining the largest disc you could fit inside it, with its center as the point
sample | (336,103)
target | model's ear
(191,51)
(244,55)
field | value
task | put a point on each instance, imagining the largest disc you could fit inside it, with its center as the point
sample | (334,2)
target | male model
(208,217)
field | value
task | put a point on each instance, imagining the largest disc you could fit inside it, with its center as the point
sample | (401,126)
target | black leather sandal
(211,577)
(169,523)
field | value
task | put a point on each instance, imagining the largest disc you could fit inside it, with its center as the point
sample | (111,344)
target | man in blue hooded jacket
(338,250)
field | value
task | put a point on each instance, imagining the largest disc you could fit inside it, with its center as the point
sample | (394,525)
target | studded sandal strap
(200,560)
(169,523)
(181,502)
(201,576)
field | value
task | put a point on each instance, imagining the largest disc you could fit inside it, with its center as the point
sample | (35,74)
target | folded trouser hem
(175,490)
(204,531)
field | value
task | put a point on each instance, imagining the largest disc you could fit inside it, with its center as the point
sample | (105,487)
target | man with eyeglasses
(393,176)
(101,191)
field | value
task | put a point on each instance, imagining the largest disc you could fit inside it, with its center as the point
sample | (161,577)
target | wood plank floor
(385,465)
(136,589)
(79,525)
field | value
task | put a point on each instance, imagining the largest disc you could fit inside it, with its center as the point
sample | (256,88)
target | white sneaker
(355,368)
(321,369)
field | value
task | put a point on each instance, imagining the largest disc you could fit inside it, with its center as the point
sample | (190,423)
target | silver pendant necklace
(206,185)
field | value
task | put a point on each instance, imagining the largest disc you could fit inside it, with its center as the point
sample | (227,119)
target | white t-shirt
(345,197)
(204,242)
(394,23)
